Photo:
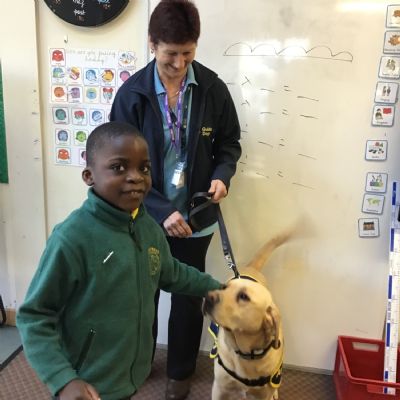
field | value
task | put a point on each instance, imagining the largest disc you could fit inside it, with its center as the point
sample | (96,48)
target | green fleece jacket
(89,310)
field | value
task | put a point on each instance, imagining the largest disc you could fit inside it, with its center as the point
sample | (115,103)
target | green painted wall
(3,148)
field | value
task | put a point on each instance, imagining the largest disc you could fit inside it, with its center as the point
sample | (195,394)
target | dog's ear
(273,317)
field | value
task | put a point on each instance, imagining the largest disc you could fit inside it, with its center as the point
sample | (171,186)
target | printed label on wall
(368,227)
(376,182)
(386,92)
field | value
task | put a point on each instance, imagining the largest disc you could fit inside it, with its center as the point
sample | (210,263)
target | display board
(320,138)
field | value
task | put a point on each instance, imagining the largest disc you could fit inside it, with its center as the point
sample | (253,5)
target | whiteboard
(303,75)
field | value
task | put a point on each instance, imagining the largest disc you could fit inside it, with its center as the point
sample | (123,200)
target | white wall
(329,281)
(22,207)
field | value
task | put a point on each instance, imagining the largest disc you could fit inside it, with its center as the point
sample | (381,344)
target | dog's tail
(265,252)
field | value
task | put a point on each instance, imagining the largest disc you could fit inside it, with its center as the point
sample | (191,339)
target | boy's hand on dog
(78,390)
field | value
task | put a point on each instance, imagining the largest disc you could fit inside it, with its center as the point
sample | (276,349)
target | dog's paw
(275,395)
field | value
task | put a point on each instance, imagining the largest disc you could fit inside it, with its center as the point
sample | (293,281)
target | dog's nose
(210,300)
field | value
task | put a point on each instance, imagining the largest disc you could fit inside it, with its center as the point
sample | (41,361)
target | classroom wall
(328,281)
(303,76)
(41,194)
(22,203)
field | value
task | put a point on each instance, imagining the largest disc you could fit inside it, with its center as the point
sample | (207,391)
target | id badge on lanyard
(178,178)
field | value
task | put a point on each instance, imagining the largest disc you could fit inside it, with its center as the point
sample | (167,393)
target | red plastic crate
(358,373)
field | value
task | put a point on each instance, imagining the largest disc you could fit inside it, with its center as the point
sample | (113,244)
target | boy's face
(120,173)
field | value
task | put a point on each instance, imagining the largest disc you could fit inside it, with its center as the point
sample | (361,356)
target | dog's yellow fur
(248,320)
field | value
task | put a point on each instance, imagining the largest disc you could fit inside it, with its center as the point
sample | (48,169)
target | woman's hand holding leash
(176,226)
(218,190)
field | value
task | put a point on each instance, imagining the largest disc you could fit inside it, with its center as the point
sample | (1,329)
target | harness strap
(256,354)
(274,380)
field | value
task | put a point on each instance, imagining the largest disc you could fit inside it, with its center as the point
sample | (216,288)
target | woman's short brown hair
(174,21)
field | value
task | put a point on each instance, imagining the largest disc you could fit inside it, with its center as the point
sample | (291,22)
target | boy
(86,322)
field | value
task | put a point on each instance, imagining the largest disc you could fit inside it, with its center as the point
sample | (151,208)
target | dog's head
(245,308)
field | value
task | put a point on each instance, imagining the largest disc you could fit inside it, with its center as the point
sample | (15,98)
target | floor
(10,342)
(19,382)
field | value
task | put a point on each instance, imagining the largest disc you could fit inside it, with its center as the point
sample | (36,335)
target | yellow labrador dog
(250,338)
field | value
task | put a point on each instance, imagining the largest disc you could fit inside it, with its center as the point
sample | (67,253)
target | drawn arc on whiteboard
(241,49)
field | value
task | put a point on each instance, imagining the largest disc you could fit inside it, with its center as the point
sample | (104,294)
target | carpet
(19,382)
(10,344)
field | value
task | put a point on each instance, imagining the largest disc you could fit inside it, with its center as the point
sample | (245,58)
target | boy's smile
(121,172)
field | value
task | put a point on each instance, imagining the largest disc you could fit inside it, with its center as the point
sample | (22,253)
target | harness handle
(226,245)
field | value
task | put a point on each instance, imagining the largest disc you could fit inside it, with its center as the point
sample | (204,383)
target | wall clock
(87,12)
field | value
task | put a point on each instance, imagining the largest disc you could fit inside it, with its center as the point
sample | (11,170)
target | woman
(190,123)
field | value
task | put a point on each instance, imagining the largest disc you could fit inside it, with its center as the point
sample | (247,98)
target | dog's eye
(243,296)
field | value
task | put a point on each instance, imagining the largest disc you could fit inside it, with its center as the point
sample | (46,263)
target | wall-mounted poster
(393,16)
(368,227)
(386,92)
(376,182)
(376,150)
(83,87)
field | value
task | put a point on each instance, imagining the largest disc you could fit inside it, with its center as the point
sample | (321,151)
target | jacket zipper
(85,350)
(133,234)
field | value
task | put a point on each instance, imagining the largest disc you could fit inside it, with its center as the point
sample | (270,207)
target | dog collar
(250,278)
(253,355)
(258,353)
(273,380)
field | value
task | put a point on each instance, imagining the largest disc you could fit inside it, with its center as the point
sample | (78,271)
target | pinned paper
(383,115)
(386,92)
(376,182)
(389,67)
(376,150)
(368,227)
(373,203)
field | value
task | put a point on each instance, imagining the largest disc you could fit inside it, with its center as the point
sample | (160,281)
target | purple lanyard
(175,139)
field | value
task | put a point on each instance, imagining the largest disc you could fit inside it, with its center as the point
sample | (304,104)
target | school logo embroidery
(154,260)
(206,131)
